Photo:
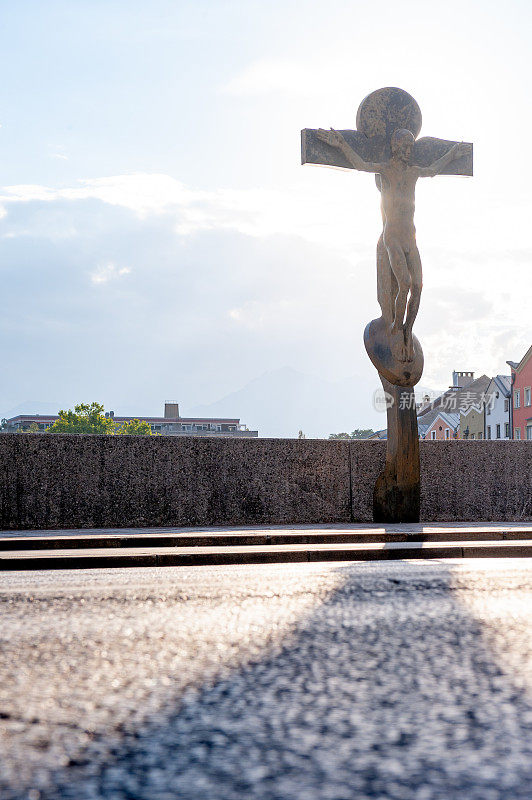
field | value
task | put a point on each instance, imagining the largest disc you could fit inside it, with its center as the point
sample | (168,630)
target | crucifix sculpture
(388,123)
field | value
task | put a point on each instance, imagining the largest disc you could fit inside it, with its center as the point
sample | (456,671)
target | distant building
(462,379)
(441,418)
(382,434)
(465,398)
(439,426)
(521,408)
(472,422)
(497,407)
(169,425)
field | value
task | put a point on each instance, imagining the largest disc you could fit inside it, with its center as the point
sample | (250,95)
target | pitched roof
(382,434)
(452,399)
(427,417)
(518,367)
(449,418)
(502,383)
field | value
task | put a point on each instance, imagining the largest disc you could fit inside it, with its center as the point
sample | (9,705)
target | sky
(160,240)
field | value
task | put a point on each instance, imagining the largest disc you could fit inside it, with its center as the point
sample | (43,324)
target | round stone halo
(386,110)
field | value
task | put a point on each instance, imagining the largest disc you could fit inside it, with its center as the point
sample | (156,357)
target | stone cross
(385,143)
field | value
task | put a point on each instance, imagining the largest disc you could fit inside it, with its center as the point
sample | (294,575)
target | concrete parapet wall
(69,481)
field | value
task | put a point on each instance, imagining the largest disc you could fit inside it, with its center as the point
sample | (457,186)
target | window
(529,432)
(517,400)
(447,433)
(506,404)
(517,433)
(498,431)
(526,398)
(488,432)
(433,434)
(506,430)
(480,436)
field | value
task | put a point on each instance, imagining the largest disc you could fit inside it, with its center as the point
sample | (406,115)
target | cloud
(194,317)
(255,212)
(130,288)
(58,152)
(108,272)
(271,76)
(141,192)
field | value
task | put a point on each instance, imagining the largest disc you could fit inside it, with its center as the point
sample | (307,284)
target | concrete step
(97,558)
(263,537)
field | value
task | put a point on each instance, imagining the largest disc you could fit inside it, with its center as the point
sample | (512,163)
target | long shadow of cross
(389,687)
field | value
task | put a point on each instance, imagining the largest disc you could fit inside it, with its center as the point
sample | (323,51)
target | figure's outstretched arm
(457,151)
(335,139)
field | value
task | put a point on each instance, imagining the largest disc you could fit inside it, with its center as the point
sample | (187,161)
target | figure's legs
(386,283)
(416,284)
(402,276)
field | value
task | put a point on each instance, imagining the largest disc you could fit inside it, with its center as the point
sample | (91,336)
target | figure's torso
(398,186)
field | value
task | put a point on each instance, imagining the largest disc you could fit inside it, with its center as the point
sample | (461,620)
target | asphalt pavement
(337,681)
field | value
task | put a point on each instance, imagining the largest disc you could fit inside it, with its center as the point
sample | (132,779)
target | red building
(522,397)
(444,426)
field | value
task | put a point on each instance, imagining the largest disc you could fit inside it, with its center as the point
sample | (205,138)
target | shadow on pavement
(391,687)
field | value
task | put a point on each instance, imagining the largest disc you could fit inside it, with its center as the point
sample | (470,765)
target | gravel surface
(317,682)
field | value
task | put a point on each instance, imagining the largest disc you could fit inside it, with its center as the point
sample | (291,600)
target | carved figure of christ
(398,178)
(385,142)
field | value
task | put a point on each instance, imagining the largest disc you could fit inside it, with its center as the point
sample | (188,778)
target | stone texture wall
(61,481)
(480,480)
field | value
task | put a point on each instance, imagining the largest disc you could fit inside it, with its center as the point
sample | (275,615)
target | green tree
(84,419)
(135,428)
(358,433)
(362,433)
